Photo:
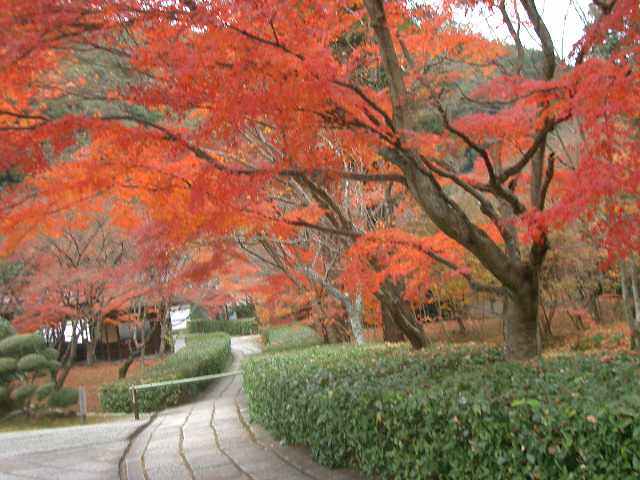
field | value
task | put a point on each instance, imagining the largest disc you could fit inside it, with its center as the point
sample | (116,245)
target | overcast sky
(564,18)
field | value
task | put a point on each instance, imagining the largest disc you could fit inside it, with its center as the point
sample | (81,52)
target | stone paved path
(210,439)
(90,452)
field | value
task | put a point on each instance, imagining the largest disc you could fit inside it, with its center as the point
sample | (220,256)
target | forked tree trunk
(522,336)
(390,331)
(518,277)
(402,313)
(124,368)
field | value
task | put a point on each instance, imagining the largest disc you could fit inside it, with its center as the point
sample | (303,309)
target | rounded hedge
(19,345)
(6,330)
(53,365)
(452,414)
(23,393)
(243,326)
(63,398)
(45,390)
(50,353)
(8,365)
(33,362)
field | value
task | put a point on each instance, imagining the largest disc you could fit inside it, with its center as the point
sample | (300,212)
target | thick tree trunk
(94,333)
(124,368)
(91,351)
(627,306)
(163,344)
(402,314)
(522,336)
(506,265)
(462,329)
(390,331)
(166,339)
(162,313)
(354,311)
(635,318)
(67,359)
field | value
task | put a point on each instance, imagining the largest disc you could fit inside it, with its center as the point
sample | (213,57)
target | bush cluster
(202,355)
(241,326)
(278,339)
(455,413)
(24,359)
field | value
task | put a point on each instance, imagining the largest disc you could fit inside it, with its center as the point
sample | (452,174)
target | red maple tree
(396,85)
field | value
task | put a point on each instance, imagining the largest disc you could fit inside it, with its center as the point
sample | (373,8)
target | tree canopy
(345,149)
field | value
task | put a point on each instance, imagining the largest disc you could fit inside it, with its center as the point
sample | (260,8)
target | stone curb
(132,436)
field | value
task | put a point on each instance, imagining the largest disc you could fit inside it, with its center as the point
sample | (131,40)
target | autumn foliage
(322,157)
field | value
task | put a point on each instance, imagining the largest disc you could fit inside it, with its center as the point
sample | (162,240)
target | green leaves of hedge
(461,413)
(33,362)
(63,398)
(208,354)
(18,345)
(7,365)
(290,337)
(244,326)
(6,330)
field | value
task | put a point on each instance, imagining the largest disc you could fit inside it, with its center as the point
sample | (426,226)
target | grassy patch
(241,326)
(454,412)
(24,423)
(291,337)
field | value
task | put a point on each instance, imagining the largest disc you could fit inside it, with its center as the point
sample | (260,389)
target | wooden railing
(145,386)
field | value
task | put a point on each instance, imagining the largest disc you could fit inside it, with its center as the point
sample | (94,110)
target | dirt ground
(565,336)
(98,374)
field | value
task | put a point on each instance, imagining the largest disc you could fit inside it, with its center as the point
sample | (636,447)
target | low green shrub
(50,353)
(33,362)
(63,398)
(19,345)
(277,339)
(23,359)
(455,413)
(6,330)
(205,355)
(45,390)
(242,326)
(589,343)
(23,393)
(8,365)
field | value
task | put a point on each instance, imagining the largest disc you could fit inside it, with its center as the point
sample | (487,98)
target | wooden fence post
(134,402)
(82,400)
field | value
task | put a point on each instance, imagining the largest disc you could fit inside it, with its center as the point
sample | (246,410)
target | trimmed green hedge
(277,339)
(242,326)
(203,355)
(454,414)
(6,330)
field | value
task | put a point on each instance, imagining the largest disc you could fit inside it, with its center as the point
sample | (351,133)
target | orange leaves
(397,255)
(309,214)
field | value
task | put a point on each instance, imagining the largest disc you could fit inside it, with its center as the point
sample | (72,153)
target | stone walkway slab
(85,452)
(211,439)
